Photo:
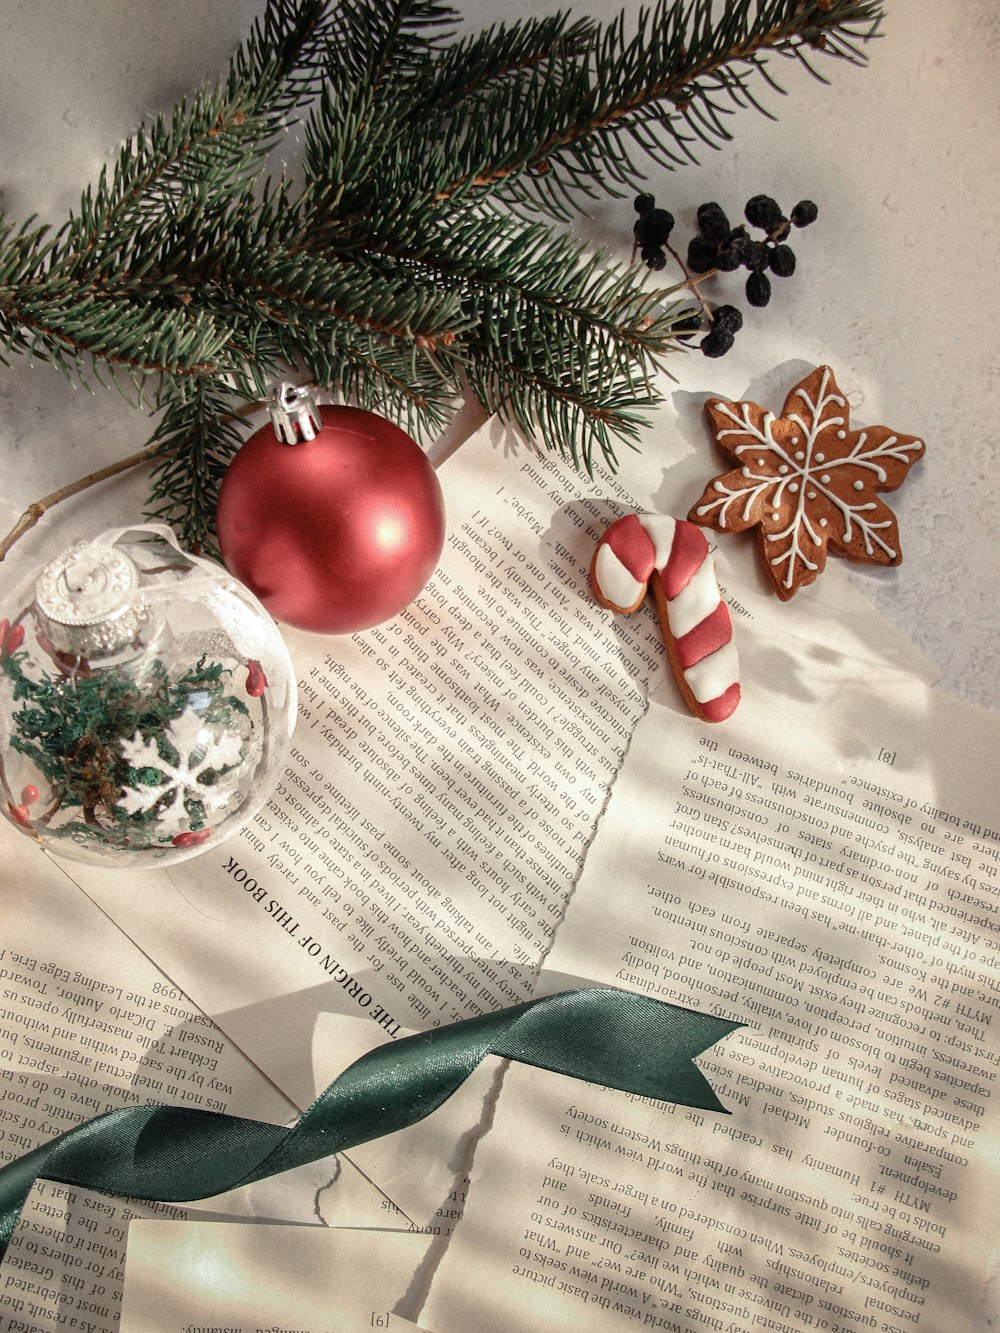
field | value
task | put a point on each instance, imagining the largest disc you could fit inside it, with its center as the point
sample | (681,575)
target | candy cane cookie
(670,558)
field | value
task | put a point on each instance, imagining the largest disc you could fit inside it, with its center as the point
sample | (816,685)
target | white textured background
(897,286)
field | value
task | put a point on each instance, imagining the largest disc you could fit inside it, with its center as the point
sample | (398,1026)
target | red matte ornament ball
(337,533)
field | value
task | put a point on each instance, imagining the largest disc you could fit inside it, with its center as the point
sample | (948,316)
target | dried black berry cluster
(719,247)
(652,231)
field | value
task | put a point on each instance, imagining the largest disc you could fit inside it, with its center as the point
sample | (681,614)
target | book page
(824,869)
(88,1024)
(266,1279)
(445,773)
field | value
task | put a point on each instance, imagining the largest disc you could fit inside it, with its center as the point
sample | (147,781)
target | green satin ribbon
(617,1038)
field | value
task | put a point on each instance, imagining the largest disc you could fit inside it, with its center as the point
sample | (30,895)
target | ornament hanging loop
(294,413)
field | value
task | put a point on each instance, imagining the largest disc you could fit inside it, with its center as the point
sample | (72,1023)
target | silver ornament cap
(294,413)
(88,602)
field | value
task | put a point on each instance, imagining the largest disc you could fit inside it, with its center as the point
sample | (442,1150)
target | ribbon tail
(623,1040)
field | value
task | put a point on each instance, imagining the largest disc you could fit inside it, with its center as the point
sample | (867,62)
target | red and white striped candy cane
(670,557)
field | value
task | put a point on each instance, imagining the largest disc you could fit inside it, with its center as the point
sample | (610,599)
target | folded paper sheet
(87,1024)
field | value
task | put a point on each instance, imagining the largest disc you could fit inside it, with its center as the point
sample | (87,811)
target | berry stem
(692,280)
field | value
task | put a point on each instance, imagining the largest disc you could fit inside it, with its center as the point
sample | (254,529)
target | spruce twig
(417,255)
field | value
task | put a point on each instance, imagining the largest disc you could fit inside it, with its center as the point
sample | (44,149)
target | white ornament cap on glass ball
(146,702)
(88,601)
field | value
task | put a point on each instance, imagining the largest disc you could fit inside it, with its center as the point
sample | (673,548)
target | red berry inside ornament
(333,516)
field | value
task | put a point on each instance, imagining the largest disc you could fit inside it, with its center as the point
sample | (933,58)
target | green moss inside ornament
(142,759)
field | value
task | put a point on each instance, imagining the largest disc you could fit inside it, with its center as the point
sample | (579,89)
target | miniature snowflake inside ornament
(146,702)
(807,480)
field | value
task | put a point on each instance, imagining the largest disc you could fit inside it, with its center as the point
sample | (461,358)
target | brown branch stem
(38,508)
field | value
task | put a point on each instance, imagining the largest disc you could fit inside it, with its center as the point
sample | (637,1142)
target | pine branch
(405,264)
(650,89)
(523,286)
(292,38)
(468,69)
(574,417)
(394,38)
(214,143)
(77,332)
(192,445)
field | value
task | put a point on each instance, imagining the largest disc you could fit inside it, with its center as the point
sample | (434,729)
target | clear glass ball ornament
(146,702)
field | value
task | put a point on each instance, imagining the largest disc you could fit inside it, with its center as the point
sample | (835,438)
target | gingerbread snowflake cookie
(807,480)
